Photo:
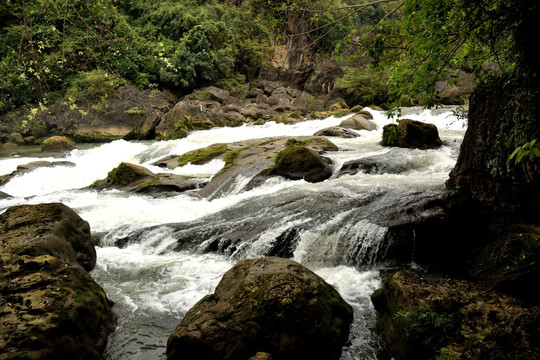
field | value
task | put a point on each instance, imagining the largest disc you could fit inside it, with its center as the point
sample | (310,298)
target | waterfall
(157,256)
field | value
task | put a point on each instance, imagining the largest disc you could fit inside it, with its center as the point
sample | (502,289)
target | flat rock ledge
(444,318)
(265,308)
(258,160)
(50,307)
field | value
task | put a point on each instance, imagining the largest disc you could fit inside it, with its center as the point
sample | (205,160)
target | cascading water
(158,256)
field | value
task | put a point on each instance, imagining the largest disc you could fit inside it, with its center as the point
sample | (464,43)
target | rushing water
(165,268)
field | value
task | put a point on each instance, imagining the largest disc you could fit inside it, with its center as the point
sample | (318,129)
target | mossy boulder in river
(269,305)
(50,307)
(411,134)
(57,143)
(136,178)
(300,162)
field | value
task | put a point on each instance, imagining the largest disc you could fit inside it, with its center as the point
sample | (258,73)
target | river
(166,267)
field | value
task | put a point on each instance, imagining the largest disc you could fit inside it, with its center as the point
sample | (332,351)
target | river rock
(57,143)
(17,138)
(136,178)
(300,162)
(256,160)
(411,134)
(269,305)
(358,122)
(337,132)
(437,316)
(50,307)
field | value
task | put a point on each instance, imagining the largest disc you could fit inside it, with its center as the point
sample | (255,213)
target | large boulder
(300,162)
(358,122)
(411,134)
(57,143)
(256,159)
(269,305)
(50,307)
(437,316)
(52,229)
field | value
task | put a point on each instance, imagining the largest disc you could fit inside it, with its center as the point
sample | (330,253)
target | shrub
(364,86)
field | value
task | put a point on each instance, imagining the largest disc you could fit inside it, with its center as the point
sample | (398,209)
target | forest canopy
(52,47)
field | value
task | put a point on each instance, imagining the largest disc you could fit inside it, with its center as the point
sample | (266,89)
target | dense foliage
(428,40)
(49,46)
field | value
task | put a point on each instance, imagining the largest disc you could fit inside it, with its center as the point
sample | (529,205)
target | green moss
(134,111)
(121,175)
(231,155)
(201,156)
(294,142)
(79,297)
(149,183)
(200,95)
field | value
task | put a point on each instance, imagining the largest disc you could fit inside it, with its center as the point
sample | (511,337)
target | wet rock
(256,160)
(426,317)
(57,143)
(392,162)
(358,122)
(285,244)
(269,304)
(366,114)
(411,134)
(337,132)
(299,162)
(136,178)
(50,308)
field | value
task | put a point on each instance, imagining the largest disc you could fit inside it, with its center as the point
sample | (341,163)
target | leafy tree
(427,40)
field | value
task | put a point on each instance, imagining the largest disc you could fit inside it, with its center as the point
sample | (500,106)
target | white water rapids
(164,270)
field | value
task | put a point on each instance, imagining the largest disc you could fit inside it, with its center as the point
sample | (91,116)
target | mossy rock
(299,162)
(202,156)
(269,304)
(411,134)
(57,143)
(50,307)
(127,173)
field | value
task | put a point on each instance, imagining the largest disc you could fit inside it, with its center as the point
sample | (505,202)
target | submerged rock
(32,166)
(50,307)
(424,318)
(269,305)
(411,134)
